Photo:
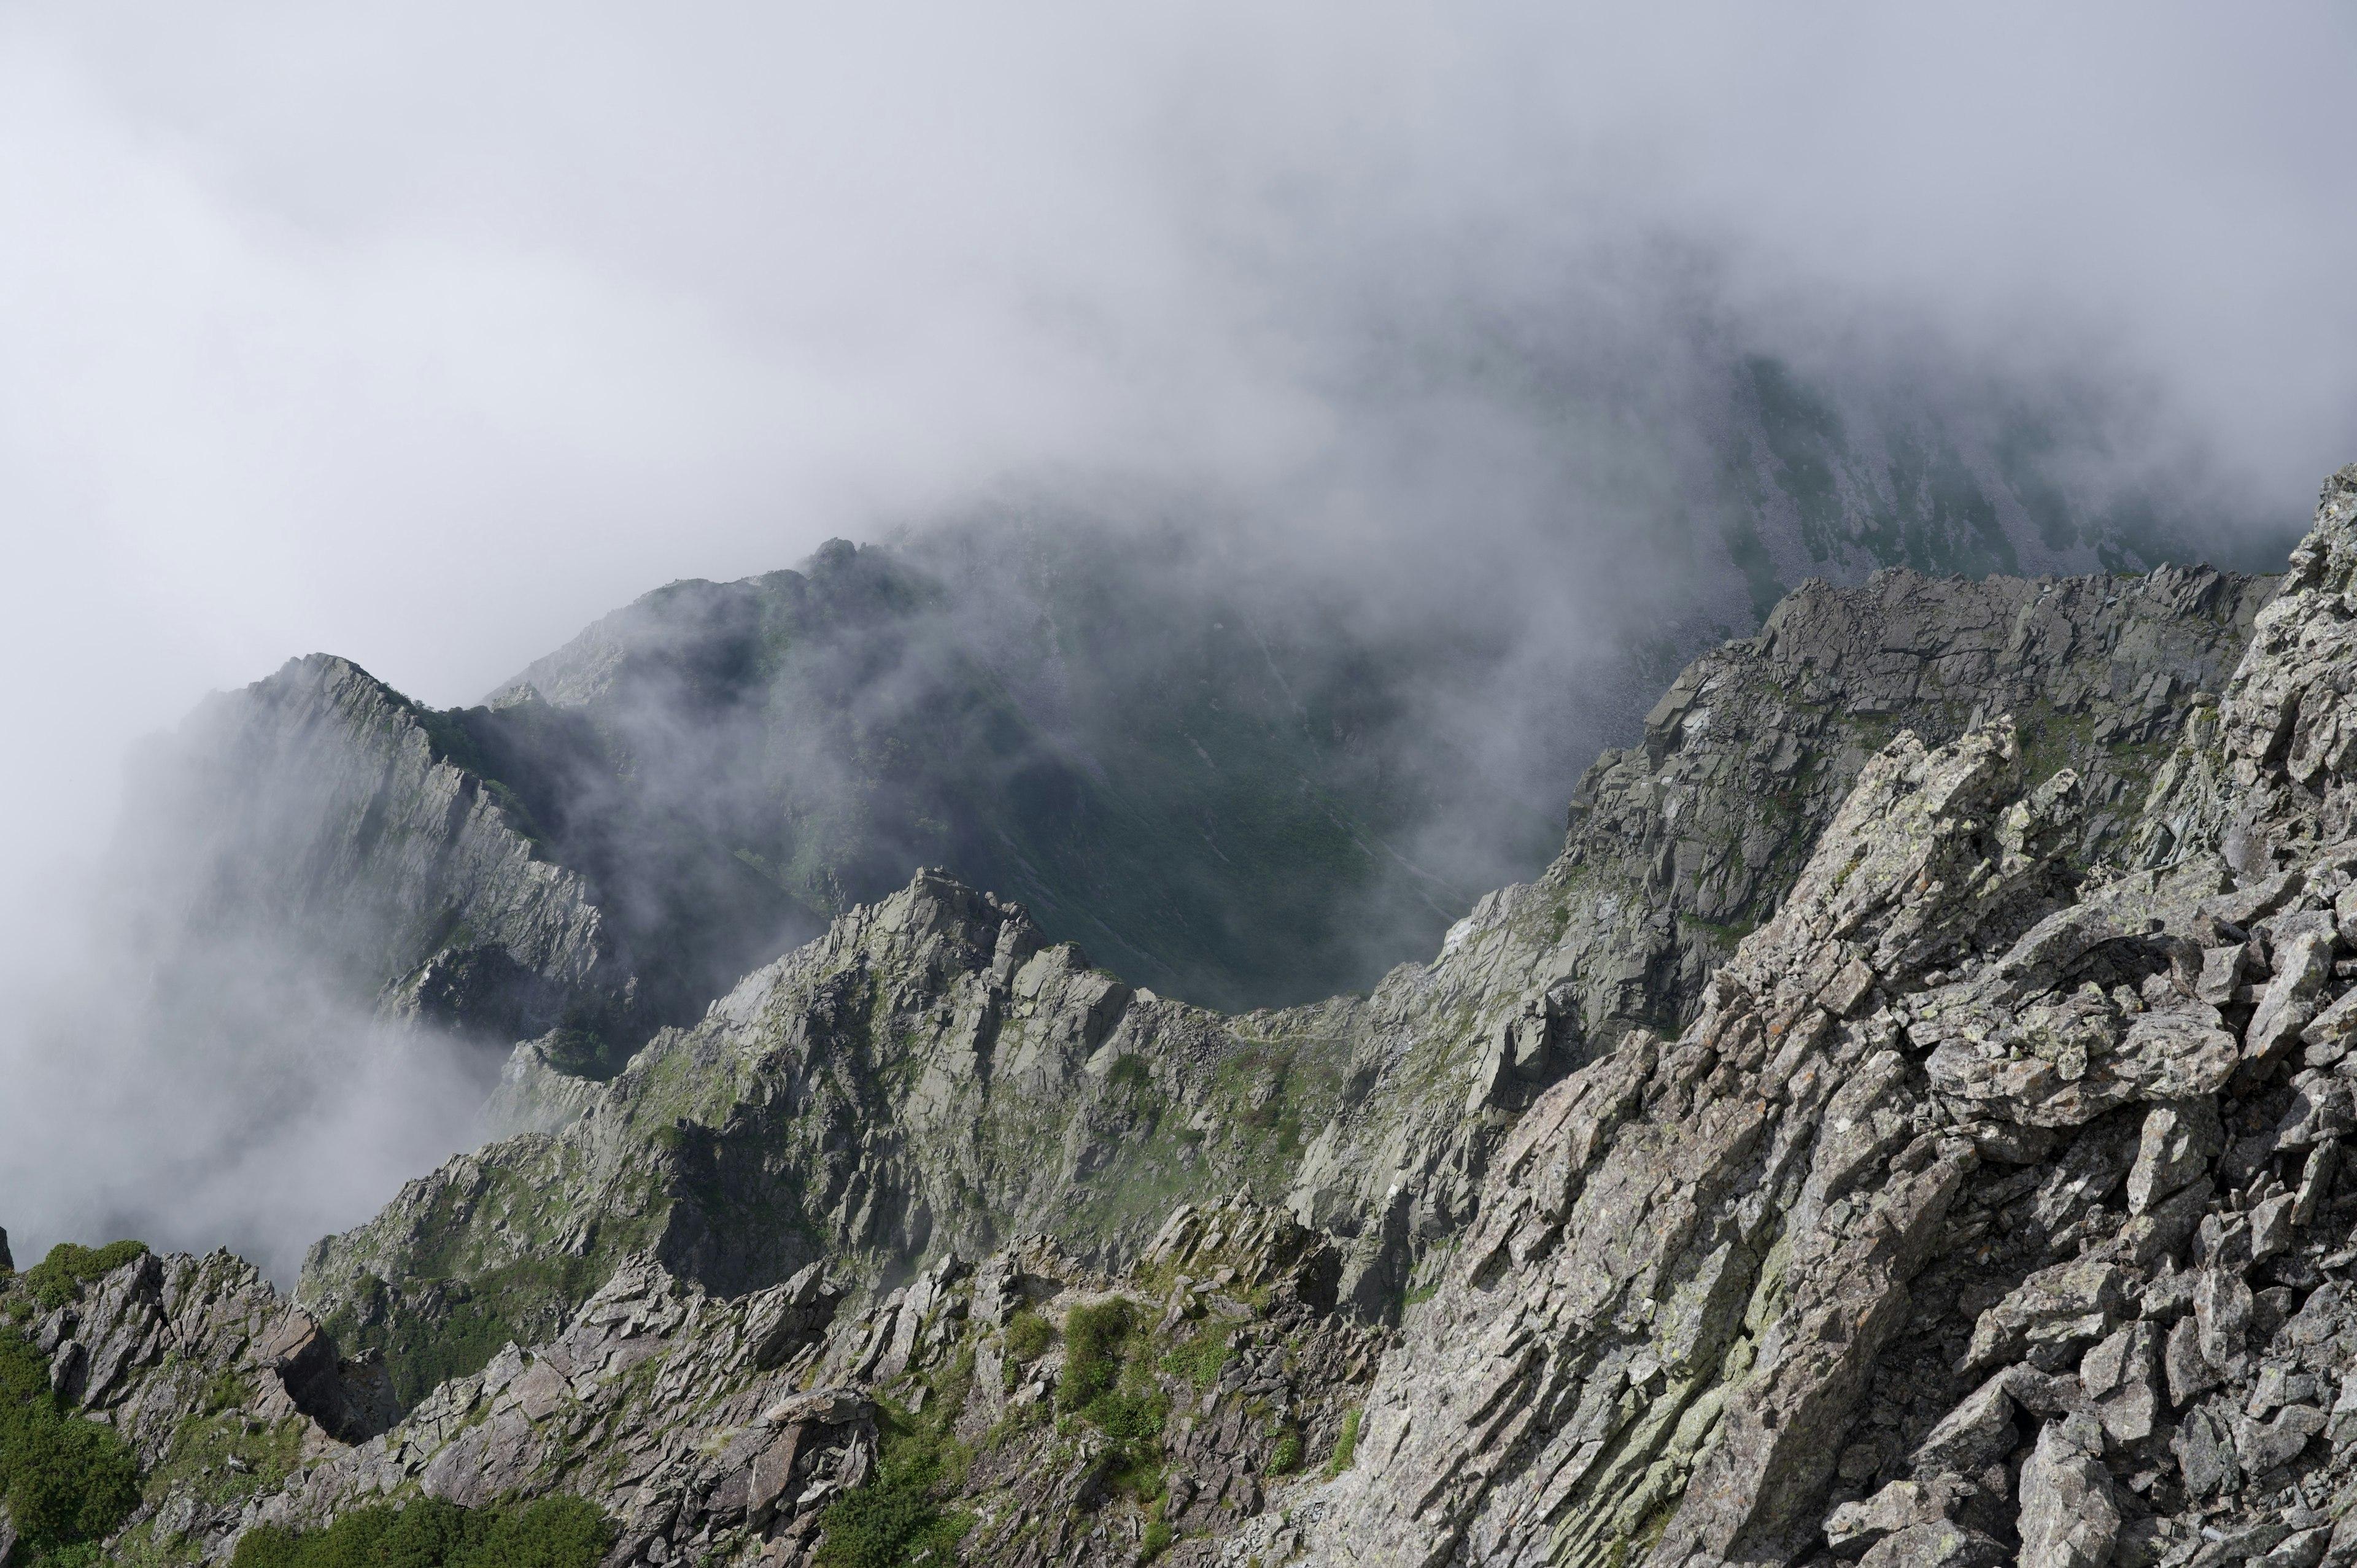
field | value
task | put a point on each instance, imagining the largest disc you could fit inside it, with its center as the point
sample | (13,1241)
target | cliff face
(310,825)
(1234,808)
(1977,1216)
(319,832)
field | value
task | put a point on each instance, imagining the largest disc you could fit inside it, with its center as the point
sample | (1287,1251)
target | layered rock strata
(1980,1214)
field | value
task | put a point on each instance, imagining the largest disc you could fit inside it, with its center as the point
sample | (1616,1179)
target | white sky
(426,335)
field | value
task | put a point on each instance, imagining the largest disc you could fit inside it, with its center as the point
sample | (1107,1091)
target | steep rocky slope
(311,827)
(220,1387)
(722,1429)
(318,830)
(1979,1216)
(1681,846)
(935,1075)
(1981,1202)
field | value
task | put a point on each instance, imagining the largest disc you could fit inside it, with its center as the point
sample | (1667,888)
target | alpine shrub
(67,1481)
(553,1532)
(57,1279)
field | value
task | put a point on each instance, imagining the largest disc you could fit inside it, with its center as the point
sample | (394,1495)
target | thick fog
(426,337)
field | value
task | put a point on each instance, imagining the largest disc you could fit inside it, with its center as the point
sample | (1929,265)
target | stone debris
(704,1433)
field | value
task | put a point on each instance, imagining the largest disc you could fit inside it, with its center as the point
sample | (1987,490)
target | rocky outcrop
(1983,1203)
(935,1075)
(1683,844)
(221,1386)
(1986,1209)
(722,1429)
(1637,1333)
(2265,772)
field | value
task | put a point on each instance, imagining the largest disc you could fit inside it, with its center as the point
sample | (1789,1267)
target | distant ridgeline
(1907,1118)
(1235,806)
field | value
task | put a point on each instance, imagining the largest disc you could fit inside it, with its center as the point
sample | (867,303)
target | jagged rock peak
(321,813)
(1680,845)
(2288,728)
(1989,1209)
(1691,1254)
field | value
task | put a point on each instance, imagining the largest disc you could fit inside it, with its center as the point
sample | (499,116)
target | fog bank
(425,337)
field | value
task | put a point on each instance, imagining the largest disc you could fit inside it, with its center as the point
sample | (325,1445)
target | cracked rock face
(1693,1254)
(180,1353)
(2028,1242)
(1681,844)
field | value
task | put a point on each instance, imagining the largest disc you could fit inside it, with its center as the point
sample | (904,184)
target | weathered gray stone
(2122,1375)
(2289,1003)
(1897,1507)
(2178,1140)
(2068,1516)
(2222,1314)
(1941,1545)
(2190,1371)
(2050,1315)
(2205,1455)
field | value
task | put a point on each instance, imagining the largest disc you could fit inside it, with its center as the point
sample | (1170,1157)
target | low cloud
(424,337)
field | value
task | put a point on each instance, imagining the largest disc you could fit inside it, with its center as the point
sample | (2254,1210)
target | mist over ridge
(1481,368)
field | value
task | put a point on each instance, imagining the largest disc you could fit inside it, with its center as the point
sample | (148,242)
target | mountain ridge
(1611,1235)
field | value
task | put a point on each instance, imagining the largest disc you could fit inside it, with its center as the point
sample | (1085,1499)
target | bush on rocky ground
(55,1278)
(897,1519)
(68,1482)
(554,1533)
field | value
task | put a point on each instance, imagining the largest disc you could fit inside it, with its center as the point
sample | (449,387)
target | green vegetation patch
(57,1278)
(554,1533)
(222,1458)
(1201,1359)
(1028,1337)
(524,1302)
(1109,1382)
(1346,1448)
(897,1518)
(68,1482)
